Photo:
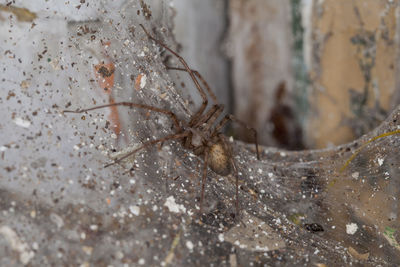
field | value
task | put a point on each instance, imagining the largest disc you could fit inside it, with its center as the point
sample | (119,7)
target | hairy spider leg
(176,135)
(230,117)
(206,116)
(203,179)
(201,91)
(129,104)
(210,121)
(235,170)
(207,119)
(233,162)
(203,119)
(149,143)
(208,88)
(216,101)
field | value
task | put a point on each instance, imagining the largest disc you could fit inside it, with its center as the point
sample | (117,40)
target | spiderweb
(335,206)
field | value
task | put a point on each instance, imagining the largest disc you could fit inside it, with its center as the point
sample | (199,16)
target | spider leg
(203,179)
(212,113)
(206,121)
(129,104)
(203,81)
(235,170)
(201,91)
(237,185)
(149,143)
(209,121)
(203,119)
(230,117)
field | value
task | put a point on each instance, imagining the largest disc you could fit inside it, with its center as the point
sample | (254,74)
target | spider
(201,133)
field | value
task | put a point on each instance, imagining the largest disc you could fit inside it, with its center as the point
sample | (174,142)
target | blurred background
(304,73)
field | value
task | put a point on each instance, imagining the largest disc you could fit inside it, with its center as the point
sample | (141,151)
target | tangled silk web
(333,205)
(61,206)
(350,192)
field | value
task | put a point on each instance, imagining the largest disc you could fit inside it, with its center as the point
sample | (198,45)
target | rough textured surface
(353,48)
(60,206)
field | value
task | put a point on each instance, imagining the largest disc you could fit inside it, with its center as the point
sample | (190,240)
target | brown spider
(198,134)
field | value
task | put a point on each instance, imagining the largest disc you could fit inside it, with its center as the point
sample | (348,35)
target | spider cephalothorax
(202,134)
(219,152)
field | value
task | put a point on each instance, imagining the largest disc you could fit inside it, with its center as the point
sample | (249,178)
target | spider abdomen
(218,159)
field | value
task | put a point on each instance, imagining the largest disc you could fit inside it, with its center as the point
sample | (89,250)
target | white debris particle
(76,147)
(351,228)
(35,245)
(55,218)
(21,122)
(242,246)
(189,245)
(380,161)
(141,261)
(135,210)
(355,175)
(172,206)
(88,250)
(25,254)
(119,255)
(221,237)
(270,174)
(113,136)
(94,227)
(259,171)
(155,207)
(143,81)
(231,139)
(264,248)
(3,148)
